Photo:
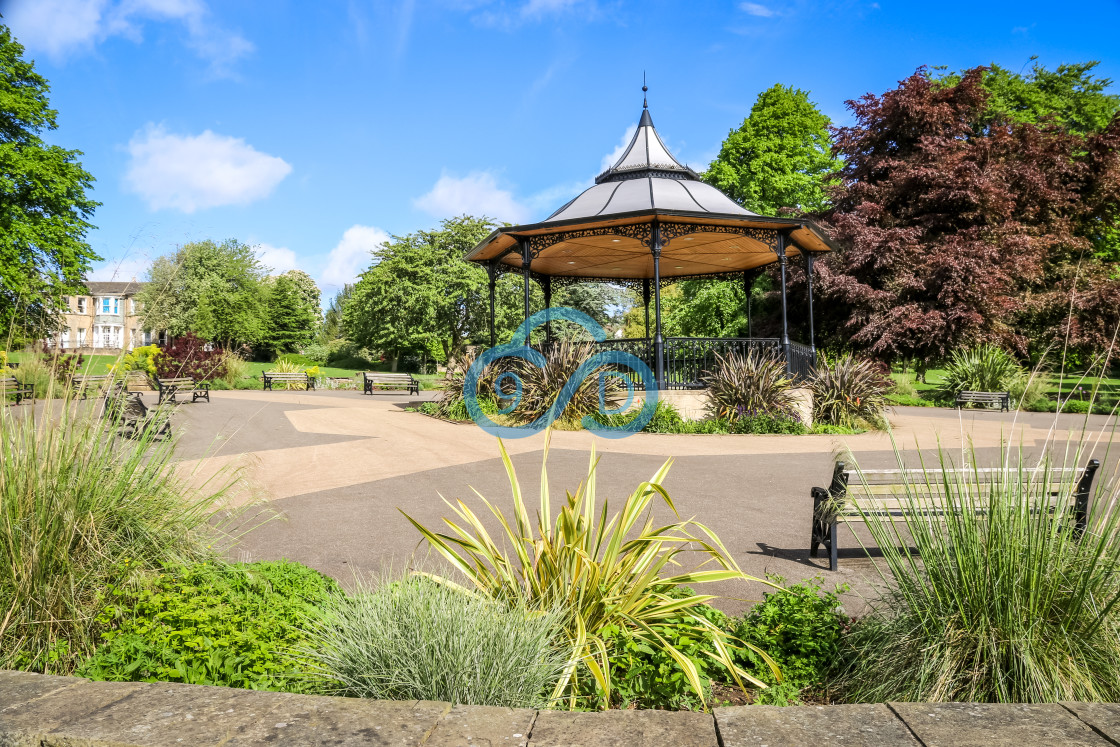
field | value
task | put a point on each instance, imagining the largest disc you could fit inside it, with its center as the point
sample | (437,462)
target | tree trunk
(393,367)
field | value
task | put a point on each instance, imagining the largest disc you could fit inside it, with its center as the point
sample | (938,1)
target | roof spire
(645,104)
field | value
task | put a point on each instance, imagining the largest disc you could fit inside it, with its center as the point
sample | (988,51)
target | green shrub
(754,383)
(541,386)
(767,423)
(666,419)
(37,374)
(316,353)
(834,430)
(296,359)
(647,677)
(81,511)
(801,628)
(1078,406)
(416,639)
(849,392)
(236,625)
(236,368)
(1007,603)
(987,368)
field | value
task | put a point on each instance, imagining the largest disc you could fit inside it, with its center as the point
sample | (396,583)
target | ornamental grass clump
(541,386)
(416,639)
(987,368)
(999,600)
(609,574)
(849,392)
(83,510)
(755,383)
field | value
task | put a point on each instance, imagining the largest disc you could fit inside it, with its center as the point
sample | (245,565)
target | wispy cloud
(509,16)
(63,28)
(758,9)
(477,193)
(614,155)
(351,256)
(193,172)
(277,259)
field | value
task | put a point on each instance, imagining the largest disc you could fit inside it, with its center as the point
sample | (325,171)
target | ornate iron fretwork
(640,232)
(765,236)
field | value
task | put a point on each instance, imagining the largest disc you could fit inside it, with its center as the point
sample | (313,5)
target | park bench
(1002,400)
(129,411)
(82,384)
(9,387)
(385,381)
(853,496)
(285,377)
(169,388)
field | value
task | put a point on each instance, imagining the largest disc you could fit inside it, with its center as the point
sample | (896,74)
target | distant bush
(316,353)
(987,368)
(191,357)
(235,625)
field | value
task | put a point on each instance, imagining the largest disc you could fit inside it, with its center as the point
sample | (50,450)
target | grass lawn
(1066,385)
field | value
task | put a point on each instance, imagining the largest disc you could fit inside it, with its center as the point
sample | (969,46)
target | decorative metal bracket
(766,236)
(641,232)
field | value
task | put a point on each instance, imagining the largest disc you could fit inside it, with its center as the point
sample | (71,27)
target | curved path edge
(48,711)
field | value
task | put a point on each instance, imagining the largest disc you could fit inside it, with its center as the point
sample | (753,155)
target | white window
(81,305)
(81,337)
(116,306)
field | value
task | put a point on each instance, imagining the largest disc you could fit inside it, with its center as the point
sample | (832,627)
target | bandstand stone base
(692,403)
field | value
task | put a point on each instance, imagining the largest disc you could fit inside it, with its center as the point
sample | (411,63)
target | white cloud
(477,193)
(193,172)
(505,17)
(756,9)
(277,258)
(353,254)
(64,27)
(614,155)
(121,269)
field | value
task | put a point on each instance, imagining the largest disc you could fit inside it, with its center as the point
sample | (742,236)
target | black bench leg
(833,547)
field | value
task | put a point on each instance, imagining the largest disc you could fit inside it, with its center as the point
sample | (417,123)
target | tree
(44,210)
(309,296)
(332,328)
(946,227)
(780,157)
(290,320)
(421,295)
(214,290)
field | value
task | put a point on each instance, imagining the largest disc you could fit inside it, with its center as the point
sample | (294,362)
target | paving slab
(623,729)
(995,725)
(16,688)
(1103,717)
(311,720)
(29,721)
(483,726)
(773,726)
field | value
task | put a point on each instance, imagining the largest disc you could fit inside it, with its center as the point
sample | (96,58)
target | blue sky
(313,130)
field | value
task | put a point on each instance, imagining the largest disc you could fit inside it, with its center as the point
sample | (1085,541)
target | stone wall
(45,711)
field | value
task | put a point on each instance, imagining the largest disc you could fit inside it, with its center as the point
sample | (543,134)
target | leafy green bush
(541,386)
(987,368)
(1007,603)
(849,392)
(297,359)
(82,511)
(416,639)
(648,677)
(768,423)
(751,384)
(666,419)
(236,625)
(801,628)
(316,353)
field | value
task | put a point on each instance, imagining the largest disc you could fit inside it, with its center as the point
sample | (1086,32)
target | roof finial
(645,104)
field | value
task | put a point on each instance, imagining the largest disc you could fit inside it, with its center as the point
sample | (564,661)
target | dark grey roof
(113,288)
(647,177)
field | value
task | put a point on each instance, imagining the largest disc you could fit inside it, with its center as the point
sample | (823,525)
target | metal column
(658,340)
(781,252)
(526,260)
(548,308)
(809,282)
(492,271)
(645,302)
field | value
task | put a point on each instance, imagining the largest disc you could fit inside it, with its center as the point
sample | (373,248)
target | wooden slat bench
(83,384)
(11,387)
(386,381)
(295,377)
(170,388)
(853,496)
(1002,400)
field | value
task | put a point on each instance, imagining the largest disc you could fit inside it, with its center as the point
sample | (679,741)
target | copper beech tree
(955,233)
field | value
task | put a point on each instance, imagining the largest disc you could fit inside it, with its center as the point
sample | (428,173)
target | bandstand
(649,221)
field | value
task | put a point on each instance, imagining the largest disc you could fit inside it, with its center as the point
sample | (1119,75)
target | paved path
(43,711)
(337,466)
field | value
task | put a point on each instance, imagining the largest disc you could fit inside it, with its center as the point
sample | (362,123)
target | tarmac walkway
(339,467)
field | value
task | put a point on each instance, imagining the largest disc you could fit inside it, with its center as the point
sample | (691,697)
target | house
(108,319)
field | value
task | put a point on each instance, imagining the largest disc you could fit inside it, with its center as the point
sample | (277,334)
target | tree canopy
(44,210)
(420,295)
(215,290)
(947,228)
(780,157)
(290,319)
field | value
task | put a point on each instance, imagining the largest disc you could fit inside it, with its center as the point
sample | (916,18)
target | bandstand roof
(606,231)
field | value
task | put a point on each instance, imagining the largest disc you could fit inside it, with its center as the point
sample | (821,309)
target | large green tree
(780,157)
(44,210)
(332,328)
(215,290)
(290,320)
(421,296)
